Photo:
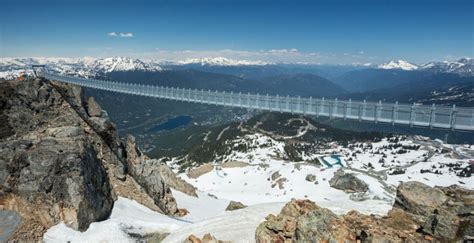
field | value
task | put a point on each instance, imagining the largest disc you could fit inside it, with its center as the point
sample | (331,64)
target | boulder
(310,178)
(208,238)
(348,182)
(441,211)
(192,239)
(418,198)
(275,175)
(233,205)
(182,212)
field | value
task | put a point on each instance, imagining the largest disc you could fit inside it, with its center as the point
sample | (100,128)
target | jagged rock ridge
(61,160)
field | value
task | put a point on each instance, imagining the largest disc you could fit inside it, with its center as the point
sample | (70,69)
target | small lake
(172,123)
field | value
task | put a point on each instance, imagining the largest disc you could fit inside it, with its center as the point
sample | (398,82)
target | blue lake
(172,123)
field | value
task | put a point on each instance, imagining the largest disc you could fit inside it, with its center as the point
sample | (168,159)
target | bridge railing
(393,113)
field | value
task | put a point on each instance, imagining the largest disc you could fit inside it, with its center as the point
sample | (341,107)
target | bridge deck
(455,118)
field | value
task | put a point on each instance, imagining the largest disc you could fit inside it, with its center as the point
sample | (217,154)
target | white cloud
(128,34)
(121,34)
(283,51)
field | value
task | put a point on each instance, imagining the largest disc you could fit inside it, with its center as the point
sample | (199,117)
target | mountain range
(89,67)
(433,82)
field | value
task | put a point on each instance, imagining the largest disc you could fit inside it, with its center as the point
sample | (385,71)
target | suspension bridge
(434,116)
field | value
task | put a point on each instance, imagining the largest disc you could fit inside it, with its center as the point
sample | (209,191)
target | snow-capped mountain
(112,64)
(221,61)
(463,67)
(84,67)
(400,64)
(11,68)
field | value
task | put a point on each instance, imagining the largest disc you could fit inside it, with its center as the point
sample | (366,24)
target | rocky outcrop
(174,181)
(303,220)
(348,182)
(444,212)
(420,214)
(50,168)
(233,205)
(61,160)
(147,174)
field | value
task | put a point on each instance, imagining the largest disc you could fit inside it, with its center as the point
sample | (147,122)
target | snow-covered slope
(128,218)
(121,64)
(463,67)
(381,165)
(262,177)
(400,64)
(221,61)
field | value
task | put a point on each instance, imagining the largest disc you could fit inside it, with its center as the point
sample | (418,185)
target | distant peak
(400,64)
(221,61)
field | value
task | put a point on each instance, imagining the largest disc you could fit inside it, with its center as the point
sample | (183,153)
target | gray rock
(435,211)
(66,131)
(147,174)
(170,178)
(310,178)
(428,217)
(359,196)
(441,223)
(418,198)
(233,205)
(93,108)
(120,173)
(348,182)
(275,175)
(315,226)
(50,162)
(303,221)
(9,220)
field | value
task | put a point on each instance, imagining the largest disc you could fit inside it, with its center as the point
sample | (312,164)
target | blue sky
(281,31)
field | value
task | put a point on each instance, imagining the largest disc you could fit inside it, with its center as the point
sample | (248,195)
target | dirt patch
(201,170)
(234,164)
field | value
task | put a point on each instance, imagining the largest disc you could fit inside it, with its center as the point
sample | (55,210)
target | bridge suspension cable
(454,118)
